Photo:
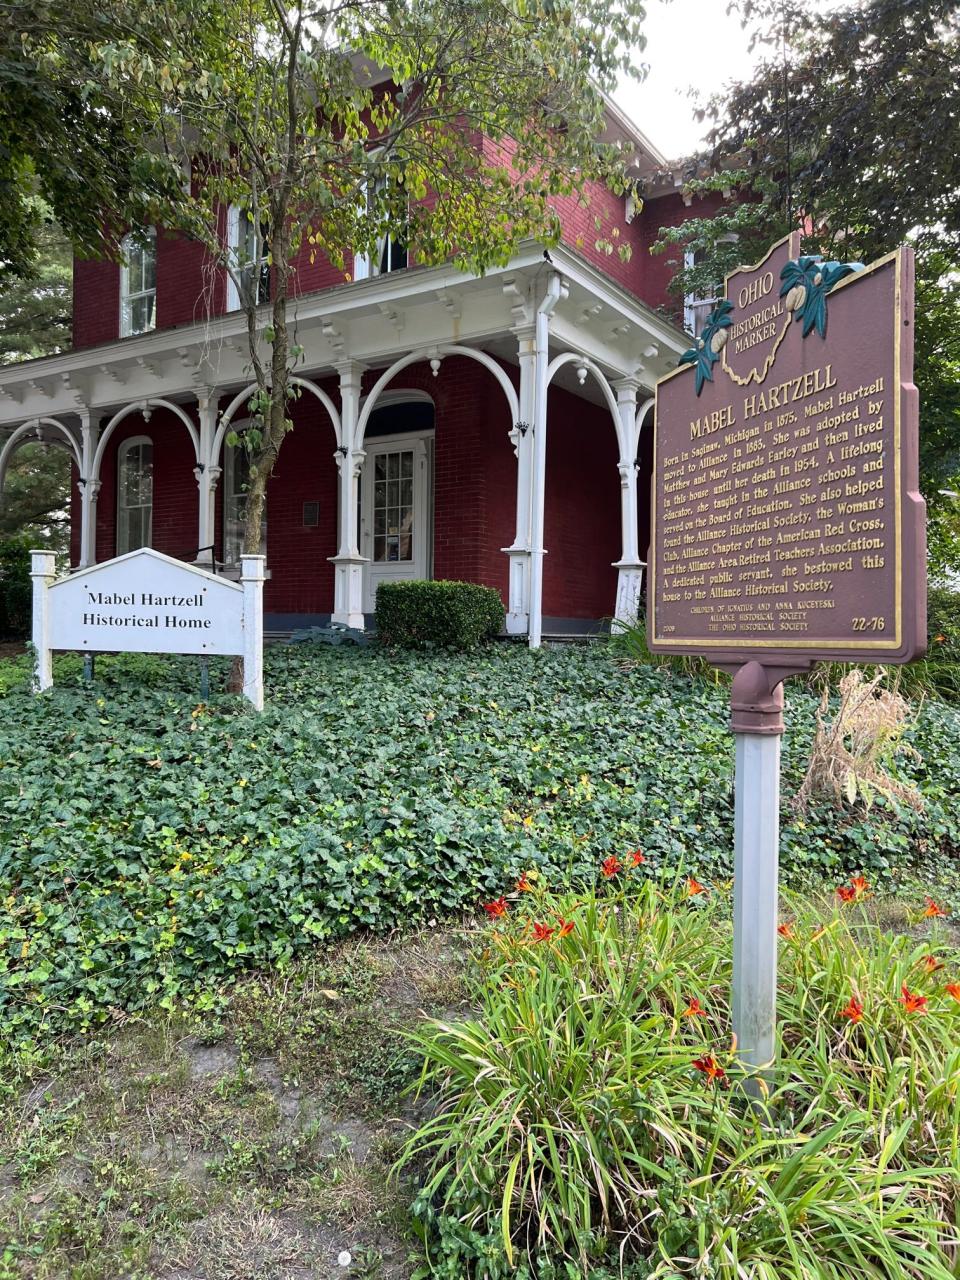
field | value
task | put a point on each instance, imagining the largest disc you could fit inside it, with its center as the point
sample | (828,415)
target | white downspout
(555,291)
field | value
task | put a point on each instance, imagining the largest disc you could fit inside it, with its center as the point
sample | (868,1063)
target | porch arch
(584,362)
(243,396)
(22,435)
(144,407)
(433,353)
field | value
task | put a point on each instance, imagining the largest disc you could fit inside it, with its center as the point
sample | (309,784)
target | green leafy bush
(16,589)
(152,848)
(421,615)
(589,1118)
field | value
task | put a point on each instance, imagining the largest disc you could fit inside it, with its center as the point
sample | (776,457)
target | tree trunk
(274,389)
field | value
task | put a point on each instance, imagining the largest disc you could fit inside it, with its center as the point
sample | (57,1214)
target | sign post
(146,602)
(787,529)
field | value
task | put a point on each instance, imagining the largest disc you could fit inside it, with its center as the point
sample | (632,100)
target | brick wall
(181,278)
(175,493)
(668,211)
(474,494)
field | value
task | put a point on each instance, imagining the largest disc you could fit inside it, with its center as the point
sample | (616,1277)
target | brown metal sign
(787,521)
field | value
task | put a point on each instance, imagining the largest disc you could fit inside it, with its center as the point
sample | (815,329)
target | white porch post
(555,290)
(629,567)
(518,610)
(348,562)
(208,473)
(42,567)
(89,488)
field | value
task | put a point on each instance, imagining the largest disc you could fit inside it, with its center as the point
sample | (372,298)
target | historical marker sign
(787,527)
(787,520)
(147,602)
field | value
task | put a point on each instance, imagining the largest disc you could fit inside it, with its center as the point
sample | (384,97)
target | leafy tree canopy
(35,321)
(849,129)
(332,125)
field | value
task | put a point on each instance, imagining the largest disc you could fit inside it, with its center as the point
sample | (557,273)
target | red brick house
(491,429)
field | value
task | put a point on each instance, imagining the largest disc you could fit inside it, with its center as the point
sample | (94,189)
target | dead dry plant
(851,756)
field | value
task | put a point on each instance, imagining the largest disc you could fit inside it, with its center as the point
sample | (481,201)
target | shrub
(589,1116)
(16,589)
(452,615)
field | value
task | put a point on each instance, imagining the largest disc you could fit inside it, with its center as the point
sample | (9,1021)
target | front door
(395,516)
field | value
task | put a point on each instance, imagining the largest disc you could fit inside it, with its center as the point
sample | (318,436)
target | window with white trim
(391,249)
(249,276)
(236,483)
(134,494)
(138,283)
(695,309)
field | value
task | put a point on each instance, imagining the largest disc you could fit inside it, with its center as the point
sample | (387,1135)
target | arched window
(249,275)
(134,494)
(138,283)
(236,482)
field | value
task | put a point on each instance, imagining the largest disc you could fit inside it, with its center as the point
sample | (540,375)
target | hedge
(422,615)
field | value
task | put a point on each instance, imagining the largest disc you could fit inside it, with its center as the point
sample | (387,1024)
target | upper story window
(236,482)
(134,494)
(696,309)
(138,283)
(249,274)
(391,250)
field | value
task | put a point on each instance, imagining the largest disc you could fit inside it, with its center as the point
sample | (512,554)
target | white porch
(559,323)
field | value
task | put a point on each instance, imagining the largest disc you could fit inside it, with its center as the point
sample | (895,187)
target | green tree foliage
(35,309)
(850,129)
(66,135)
(329,125)
(35,321)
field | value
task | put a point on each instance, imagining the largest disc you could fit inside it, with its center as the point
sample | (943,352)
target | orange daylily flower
(931,964)
(940,639)
(853,1010)
(523,884)
(846,892)
(932,909)
(709,1066)
(694,1009)
(785,930)
(694,887)
(859,884)
(564,927)
(542,932)
(496,908)
(911,1001)
(953,989)
(637,857)
(610,866)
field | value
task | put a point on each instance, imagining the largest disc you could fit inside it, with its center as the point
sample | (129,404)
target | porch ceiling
(371,322)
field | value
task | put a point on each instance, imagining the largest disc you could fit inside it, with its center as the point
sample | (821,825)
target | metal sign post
(757,723)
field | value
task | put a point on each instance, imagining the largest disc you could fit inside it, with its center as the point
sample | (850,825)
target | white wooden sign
(146,602)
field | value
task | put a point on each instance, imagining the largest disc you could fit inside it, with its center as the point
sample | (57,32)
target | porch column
(555,291)
(208,473)
(89,488)
(518,611)
(629,567)
(348,562)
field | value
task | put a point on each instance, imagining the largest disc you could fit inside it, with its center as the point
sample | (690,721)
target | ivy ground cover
(152,847)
